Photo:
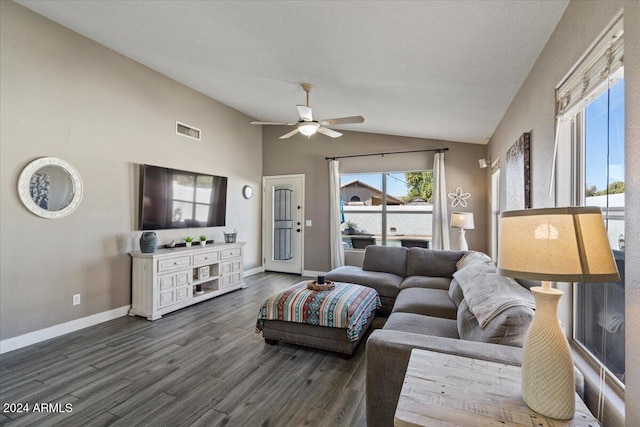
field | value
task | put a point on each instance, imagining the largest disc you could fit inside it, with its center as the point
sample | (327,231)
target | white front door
(283,228)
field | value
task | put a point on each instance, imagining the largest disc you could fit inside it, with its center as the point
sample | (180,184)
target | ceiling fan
(307,126)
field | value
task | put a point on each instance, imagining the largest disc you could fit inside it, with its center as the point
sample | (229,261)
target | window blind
(590,76)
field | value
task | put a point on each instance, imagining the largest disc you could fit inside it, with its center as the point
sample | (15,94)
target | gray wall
(66,96)
(533,110)
(301,155)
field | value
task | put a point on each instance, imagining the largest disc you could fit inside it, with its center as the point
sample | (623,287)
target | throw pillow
(386,259)
(430,262)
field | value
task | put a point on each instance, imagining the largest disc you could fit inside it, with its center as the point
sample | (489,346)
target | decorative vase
(148,242)
(188,244)
(203,242)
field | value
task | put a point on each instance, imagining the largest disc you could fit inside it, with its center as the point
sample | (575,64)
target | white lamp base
(462,242)
(548,384)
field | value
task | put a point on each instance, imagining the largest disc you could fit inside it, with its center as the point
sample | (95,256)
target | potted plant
(203,240)
(188,240)
(350,227)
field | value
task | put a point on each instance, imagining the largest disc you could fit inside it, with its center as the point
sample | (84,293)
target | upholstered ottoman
(332,320)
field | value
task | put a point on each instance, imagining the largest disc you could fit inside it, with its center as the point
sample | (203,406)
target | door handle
(298,230)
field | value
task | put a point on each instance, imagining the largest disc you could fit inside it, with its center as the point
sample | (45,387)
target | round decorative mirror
(50,187)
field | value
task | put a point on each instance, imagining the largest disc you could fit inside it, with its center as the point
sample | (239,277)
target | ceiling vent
(188,131)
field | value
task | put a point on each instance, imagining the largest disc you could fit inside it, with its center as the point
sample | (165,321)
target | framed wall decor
(518,176)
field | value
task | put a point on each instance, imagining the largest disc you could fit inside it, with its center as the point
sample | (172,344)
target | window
(590,148)
(392,209)
(599,308)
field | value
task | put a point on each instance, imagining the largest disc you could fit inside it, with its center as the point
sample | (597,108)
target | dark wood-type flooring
(203,365)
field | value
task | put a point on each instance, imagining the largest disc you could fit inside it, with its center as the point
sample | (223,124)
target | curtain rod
(440,150)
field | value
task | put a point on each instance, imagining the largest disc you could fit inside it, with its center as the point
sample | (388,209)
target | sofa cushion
(507,328)
(424,325)
(425,282)
(430,262)
(429,302)
(386,259)
(387,284)
(455,292)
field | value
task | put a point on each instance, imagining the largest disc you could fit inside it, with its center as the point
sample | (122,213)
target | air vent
(188,131)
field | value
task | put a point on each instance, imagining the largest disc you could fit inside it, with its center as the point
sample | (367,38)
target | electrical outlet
(76,299)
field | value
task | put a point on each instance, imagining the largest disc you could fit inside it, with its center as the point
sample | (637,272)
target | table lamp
(552,244)
(463,221)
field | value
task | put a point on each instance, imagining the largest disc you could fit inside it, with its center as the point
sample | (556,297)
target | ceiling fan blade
(290,134)
(305,112)
(342,121)
(329,132)
(272,123)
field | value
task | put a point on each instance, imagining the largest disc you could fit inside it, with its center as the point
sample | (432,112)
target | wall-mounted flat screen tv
(172,198)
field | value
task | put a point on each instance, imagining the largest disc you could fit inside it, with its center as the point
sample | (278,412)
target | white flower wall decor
(459,198)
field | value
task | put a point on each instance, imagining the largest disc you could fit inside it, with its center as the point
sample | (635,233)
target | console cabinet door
(231,273)
(173,288)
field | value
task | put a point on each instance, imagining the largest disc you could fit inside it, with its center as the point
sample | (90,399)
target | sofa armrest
(388,355)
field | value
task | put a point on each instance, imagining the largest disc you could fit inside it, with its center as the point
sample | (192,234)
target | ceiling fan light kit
(307,126)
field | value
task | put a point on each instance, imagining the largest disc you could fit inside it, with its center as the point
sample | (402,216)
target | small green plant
(188,239)
(203,238)
(351,225)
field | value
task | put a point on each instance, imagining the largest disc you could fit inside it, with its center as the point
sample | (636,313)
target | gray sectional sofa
(446,301)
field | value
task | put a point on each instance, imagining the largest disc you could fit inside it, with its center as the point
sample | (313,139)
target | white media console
(164,281)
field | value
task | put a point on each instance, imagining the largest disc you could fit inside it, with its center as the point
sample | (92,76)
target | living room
(67,96)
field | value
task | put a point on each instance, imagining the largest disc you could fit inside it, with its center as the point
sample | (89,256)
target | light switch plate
(308,223)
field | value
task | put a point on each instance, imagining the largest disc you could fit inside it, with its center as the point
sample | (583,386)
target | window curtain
(439,221)
(337,250)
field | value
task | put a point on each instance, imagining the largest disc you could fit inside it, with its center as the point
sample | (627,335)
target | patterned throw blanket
(345,306)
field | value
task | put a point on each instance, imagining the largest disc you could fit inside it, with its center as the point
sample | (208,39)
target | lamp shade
(462,220)
(566,244)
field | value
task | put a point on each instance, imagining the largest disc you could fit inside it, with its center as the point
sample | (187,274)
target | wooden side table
(445,390)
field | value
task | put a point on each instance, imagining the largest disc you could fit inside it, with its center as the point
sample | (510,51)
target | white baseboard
(312,273)
(34,337)
(253,271)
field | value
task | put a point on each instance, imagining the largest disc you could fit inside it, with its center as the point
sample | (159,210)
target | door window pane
(282,223)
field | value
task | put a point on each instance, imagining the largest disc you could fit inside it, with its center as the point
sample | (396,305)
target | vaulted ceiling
(431,69)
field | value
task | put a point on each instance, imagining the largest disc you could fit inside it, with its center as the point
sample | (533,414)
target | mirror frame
(25,195)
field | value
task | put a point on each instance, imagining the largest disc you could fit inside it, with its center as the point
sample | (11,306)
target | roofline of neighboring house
(356,181)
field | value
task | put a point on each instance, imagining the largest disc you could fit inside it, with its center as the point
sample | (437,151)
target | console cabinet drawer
(230,253)
(173,263)
(205,257)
